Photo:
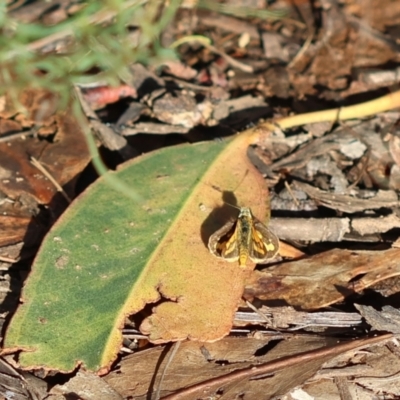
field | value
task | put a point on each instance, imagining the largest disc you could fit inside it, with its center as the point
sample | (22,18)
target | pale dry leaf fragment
(353,149)
(325,165)
(298,394)
(244,40)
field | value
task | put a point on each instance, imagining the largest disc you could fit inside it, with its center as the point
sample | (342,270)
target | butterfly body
(244,232)
(243,239)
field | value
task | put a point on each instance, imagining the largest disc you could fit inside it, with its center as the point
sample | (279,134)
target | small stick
(289,189)
(175,348)
(8,259)
(16,135)
(47,174)
(261,314)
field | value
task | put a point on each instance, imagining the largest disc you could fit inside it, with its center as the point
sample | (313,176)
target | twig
(261,314)
(174,349)
(16,135)
(47,174)
(234,63)
(289,189)
(302,51)
(206,43)
(8,259)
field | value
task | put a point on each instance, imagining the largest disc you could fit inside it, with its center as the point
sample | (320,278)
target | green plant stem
(101,169)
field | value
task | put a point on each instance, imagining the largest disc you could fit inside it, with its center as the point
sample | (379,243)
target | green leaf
(107,257)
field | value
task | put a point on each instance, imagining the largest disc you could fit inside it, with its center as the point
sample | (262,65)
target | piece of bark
(182,109)
(273,46)
(324,279)
(143,79)
(108,137)
(285,317)
(376,371)
(276,82)
(235,365)
(131,114)
(371,44)
(9,127)
(311,229)
(383,386)
(340,140)
(24,187)
(343,388)
(386,320)
(20,386)
(153,128)
(69,148)
(87,386)
(315,230)
(347,203)
(318,129)
(375,77)
(369,226)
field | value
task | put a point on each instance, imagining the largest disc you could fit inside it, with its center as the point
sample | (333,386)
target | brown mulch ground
(334,191)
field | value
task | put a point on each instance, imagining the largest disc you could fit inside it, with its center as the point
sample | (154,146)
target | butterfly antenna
(232,205)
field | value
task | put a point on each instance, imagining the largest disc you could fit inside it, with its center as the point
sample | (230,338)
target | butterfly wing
(264,244)
(223,242)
